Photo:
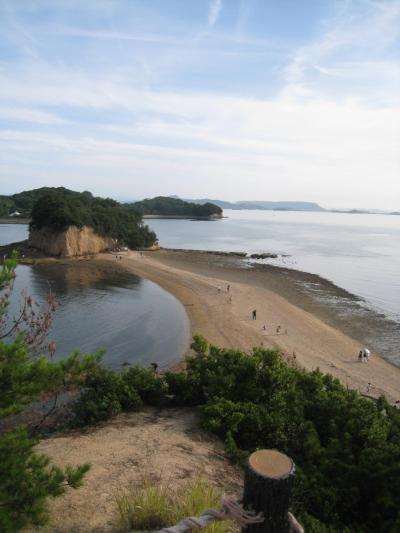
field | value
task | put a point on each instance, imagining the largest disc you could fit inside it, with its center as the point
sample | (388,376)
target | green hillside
(24,201)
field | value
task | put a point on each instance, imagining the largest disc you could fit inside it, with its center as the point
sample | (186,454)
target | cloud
(119,36)
(328,133)
(356,46)
(214,11)
(23,114)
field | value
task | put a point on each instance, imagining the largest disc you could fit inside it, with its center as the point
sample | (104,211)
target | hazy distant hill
(263,205)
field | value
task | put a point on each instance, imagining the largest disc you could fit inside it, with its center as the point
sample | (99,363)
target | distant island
(167,206)
(288,206)
(262,205)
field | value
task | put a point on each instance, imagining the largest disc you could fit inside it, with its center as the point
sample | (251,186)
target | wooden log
(268,484)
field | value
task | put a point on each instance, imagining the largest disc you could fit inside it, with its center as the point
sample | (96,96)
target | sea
(357,252)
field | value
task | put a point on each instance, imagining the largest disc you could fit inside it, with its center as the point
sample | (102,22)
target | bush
(107,393)
(346,448)
(147,384)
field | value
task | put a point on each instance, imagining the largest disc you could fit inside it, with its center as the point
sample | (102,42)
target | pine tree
(27,478)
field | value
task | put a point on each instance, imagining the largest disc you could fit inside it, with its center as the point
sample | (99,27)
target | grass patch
(151,507)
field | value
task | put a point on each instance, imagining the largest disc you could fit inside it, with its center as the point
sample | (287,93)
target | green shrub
(105,395)
(147,384)
(346,448)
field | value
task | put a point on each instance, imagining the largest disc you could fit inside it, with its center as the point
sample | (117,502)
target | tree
(27,479)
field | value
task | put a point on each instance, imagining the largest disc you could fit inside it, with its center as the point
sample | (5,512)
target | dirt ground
(152,445)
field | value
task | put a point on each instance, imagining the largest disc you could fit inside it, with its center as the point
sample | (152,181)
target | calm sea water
(360,253)
(13,233)
(133,319)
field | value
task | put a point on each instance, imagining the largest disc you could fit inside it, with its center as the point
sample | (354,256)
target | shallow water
(13,233)
(133,319)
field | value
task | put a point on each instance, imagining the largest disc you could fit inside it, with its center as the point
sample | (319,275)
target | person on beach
(360,356)
(264,327)
(278,330)
(228,288)
(254,314)
(367,354)
(219,290)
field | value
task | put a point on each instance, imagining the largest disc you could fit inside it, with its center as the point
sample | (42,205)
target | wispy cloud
(327,132)
(120,36)
(36,116)
(214,11)
(356,46)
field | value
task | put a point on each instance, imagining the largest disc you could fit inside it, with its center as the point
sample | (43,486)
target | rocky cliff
(71,242)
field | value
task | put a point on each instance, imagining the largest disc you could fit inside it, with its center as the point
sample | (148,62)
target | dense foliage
(166,206)
(24,201)
(28,478)
(346,448)
(59,209)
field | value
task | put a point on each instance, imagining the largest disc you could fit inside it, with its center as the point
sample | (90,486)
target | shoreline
(15,220)
(202,289)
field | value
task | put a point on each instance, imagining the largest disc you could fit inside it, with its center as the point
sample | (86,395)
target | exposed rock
(71,242)
(264,256)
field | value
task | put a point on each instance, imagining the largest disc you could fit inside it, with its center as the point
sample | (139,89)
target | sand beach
(304,331)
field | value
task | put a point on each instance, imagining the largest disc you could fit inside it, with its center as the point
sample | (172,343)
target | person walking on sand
(360,356)
(278,330)
(367,354)
(228,288)
(254,314)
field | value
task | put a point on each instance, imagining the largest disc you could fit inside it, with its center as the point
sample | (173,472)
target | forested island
(174,207)
(60,209)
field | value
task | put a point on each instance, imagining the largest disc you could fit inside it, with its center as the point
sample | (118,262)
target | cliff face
(71,242)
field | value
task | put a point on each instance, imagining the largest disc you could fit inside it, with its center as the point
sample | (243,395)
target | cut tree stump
(268,484)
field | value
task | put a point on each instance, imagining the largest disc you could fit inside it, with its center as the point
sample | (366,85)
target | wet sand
(317,333)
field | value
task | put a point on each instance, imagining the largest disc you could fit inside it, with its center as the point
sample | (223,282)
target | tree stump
(268,483)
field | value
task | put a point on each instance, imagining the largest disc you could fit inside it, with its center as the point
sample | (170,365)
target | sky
(229,99)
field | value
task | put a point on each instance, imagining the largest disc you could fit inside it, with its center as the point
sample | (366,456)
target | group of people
(364,355)
(264,328)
